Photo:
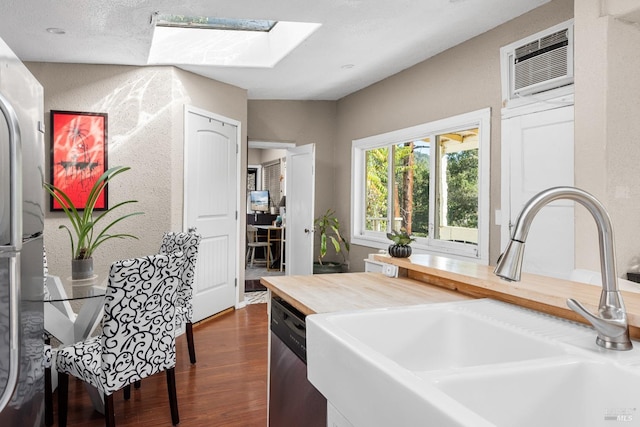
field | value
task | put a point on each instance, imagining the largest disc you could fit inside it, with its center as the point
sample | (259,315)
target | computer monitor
(259,200)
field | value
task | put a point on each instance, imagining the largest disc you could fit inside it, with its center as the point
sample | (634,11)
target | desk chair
(138,334)
(253,243)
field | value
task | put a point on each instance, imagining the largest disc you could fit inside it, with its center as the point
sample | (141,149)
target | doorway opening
(266,211)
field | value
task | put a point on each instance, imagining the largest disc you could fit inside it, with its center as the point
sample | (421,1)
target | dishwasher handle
(295,325)
(289,325)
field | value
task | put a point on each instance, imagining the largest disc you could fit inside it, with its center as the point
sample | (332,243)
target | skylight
(211,23)
(183,40)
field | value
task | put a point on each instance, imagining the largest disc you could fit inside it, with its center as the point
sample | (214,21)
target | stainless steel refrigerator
(21,228)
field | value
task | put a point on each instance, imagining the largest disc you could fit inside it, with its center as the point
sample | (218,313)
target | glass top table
(73,318)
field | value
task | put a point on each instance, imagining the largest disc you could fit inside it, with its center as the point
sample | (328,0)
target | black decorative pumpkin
(400,251)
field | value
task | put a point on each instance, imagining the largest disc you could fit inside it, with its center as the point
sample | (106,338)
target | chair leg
(190,344)
(127,392)
(48,398)
(48,393)
(137,384)
(173,398)
(268,255)
(109,414)
(63,389)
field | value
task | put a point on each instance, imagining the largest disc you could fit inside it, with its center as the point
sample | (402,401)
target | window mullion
(433,184)
(390,185)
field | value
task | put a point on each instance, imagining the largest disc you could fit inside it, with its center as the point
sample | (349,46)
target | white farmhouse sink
(426,338)
(566,394)
(469,363)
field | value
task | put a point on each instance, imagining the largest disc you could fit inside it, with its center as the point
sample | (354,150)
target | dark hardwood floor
(226,387)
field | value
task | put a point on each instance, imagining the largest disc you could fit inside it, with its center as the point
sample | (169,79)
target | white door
(301,164)
(211,206)
(538,154)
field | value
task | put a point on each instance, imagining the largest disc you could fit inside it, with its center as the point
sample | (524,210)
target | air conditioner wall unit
(539,63)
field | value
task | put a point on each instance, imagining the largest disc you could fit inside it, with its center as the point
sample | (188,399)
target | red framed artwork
(78,155)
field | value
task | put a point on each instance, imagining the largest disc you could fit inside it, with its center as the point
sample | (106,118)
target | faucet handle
(612,333)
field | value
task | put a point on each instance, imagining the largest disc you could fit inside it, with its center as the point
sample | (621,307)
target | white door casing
(300,192)
(211,189)
(538,153)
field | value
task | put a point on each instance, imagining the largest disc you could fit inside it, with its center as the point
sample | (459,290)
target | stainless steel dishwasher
(293,400)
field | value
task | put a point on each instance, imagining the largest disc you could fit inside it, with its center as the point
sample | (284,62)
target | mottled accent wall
(145,107)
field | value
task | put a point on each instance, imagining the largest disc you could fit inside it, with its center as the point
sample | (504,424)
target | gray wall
(462,79)
(258,156)
(302,122)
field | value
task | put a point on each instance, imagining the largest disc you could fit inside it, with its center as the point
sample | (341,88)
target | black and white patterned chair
(138,333)
(188,244)
(47,362)
(47,352)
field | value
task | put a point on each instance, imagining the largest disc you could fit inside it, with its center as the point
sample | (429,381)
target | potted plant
(85,239)
(401,240)
(327,227)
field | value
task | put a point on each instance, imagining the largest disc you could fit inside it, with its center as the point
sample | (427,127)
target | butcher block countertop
(326,293)
(438,279)
(540,293)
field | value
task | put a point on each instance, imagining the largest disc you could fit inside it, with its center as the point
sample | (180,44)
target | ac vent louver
(537,65)
(541,60)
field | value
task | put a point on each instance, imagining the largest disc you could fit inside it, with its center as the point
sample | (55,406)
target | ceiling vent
(540,63)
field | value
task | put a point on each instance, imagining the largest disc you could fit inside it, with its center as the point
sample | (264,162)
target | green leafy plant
(84,238)
(327,227)
(401,237)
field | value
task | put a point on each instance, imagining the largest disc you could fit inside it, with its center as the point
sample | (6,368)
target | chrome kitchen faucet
(611,324)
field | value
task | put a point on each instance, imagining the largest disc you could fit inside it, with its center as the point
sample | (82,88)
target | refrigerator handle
(14,247)
(14,329)
(15,177)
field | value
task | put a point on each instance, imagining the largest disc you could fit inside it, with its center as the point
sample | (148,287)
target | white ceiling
(359,43)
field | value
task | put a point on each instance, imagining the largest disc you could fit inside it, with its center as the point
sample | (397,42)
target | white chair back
(138,338)
(188,244)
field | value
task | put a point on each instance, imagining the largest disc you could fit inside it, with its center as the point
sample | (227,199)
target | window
(272,181)
(431,179)
(252,179)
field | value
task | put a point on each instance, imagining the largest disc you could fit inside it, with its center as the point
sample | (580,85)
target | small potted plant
(401,240)
(84,238)
(327,227)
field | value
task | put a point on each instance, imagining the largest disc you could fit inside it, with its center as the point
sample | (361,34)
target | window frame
(478,253)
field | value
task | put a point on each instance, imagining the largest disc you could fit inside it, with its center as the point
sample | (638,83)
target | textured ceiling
(359,43)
